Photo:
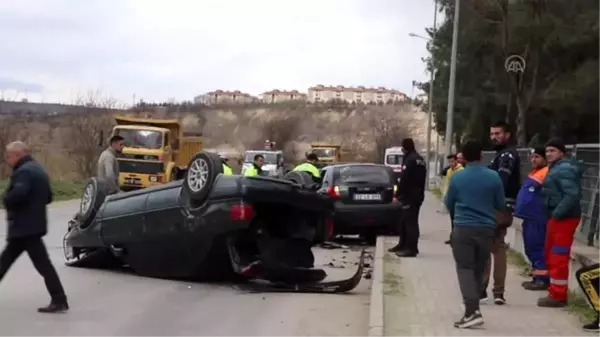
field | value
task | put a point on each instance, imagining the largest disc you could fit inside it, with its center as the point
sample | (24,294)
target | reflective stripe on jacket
(530,202)
(310,168)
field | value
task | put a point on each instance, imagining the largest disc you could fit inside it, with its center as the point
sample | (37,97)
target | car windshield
(394,159)
(270,158)
(362,174)
(147,139)
(324,152)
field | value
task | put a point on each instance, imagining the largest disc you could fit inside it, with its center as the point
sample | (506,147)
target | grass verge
(62,189)
(578,304)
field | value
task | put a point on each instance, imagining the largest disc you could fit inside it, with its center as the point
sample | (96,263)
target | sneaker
(469,321)
(483,297)
(592,327)
(499,299)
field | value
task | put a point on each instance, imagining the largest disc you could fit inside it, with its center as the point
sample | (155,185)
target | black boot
(535,285)
(406,253)
(55,307)
(396,248)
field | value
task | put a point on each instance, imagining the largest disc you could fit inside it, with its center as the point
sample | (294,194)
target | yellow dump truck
(156,151)
(328,153)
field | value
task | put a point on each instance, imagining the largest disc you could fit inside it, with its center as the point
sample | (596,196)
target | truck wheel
(298,177)
(94,193)
(201,173)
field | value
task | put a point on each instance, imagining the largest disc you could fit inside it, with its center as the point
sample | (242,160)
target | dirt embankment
(69,144)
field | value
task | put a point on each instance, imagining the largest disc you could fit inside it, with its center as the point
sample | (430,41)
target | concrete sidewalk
(421,295)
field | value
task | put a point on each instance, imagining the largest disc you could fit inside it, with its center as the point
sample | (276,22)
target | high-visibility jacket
(310,168)
(227,170)
(449,174)
(252,171)
(530,207)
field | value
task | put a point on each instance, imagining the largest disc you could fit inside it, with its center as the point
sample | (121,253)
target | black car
(364,198)
(208,226)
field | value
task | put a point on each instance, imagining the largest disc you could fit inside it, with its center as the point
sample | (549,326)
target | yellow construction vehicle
(328,153)
(156,151)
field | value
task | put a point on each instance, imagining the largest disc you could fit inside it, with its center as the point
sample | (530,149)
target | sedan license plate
(367,197)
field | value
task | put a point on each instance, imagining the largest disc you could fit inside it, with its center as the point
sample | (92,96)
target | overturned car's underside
(208,226)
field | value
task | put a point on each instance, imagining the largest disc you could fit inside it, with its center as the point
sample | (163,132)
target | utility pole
(452,84)
(430,104)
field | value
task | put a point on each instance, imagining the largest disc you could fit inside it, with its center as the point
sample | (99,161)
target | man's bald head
(15,151)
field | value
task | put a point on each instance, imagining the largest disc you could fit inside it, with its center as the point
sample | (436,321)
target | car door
(123,218)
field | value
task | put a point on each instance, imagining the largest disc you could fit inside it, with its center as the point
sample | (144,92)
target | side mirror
(175,144)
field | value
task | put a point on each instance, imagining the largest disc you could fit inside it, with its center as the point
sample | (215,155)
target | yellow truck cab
(156,151)
(328,153)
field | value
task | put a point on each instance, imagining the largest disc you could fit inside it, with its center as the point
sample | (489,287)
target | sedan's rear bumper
(352,219)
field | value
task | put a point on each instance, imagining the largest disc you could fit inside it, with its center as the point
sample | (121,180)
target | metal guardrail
(589,155)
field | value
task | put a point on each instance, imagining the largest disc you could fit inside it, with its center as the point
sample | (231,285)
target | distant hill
(20,108)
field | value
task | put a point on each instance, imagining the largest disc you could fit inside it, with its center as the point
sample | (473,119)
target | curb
(376,305)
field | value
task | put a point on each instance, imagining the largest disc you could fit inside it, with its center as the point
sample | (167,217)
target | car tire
(201,172)
(298,177)
(371,238)
(94,194)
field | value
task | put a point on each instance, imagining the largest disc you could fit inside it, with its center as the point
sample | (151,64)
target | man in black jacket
(411,193)
(25,201)
(506,162)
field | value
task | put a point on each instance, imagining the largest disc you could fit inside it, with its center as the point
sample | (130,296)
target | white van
(393,158)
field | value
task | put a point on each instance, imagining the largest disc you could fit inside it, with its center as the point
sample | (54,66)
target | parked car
(364,198)
(207,226)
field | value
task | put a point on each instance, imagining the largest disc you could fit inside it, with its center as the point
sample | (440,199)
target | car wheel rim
(86,199)
(197,176)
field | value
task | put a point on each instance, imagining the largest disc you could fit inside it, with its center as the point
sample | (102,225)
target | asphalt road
(118,303)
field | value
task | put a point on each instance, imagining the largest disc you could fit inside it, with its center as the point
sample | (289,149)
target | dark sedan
(364,196)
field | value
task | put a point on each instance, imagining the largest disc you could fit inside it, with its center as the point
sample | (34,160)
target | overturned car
(209,226)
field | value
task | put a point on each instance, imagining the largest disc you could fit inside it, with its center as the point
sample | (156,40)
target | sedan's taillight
(334,192)
(241,211)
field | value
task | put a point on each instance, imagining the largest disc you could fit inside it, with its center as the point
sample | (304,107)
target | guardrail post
(593,213)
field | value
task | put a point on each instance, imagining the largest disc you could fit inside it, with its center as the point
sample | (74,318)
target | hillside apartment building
(318,93)
(360,94)
(278,96)
(223,96)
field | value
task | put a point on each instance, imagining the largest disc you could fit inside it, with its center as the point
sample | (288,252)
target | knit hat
(539,151)
(558,144)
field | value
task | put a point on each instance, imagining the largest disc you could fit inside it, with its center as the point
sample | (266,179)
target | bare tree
(387,132)
(85,132)
(282,130)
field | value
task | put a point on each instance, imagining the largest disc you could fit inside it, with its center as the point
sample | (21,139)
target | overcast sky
(54,50)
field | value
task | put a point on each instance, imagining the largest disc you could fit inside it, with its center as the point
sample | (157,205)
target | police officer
(226,168)
(256,168)
(506,162)
(411,193)
(309,166)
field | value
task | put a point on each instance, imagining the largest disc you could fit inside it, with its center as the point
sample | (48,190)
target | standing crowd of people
(482,201)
